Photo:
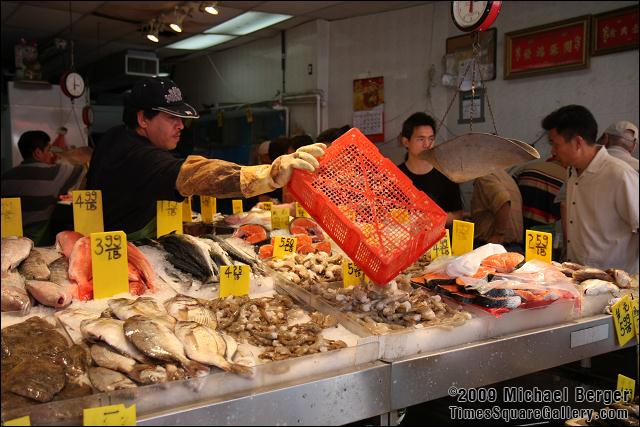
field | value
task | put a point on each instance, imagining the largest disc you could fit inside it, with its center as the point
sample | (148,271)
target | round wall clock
(72,84)
(474,15)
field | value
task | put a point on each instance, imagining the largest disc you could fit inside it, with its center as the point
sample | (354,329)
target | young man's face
(422,139)
(45,155)
(163,130)
(566,152)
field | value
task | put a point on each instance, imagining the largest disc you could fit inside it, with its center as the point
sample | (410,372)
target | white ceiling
(101,28)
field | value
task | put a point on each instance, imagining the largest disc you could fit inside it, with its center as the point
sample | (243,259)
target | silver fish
(14,251)
(186,308)
(109,380)
(217,252)
(111,332)
(60,271)
(14,298)
(207,346)
(125,308)
(149,374)
(49,254)
(34,267)
(49,293)
(597,287)
(157,341)
(71,319)
(105,357)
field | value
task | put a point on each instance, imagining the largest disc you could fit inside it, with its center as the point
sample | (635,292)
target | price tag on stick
(301,212)
(169,217)
(237,206)
(113,415)
(109,264)
(11,217)
(234,280)
(442,247)
(283,246)
(351,274)
(622,320)
(207,208)
(22,421)
(186,210)
(539,246)
(279,217)
(626,383)
(87,212)
(266,206)
(462,237)
(634,316)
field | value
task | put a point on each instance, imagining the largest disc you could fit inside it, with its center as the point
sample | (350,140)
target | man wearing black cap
(133,168)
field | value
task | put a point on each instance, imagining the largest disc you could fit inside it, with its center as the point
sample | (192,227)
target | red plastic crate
(369,207)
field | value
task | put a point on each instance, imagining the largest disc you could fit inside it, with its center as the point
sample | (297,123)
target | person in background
(496,211)
(39,181)
(418,135)
(540,182)
(300,141)
(263,153)
(134,169)
(601,199)
(620,139)
(329,135)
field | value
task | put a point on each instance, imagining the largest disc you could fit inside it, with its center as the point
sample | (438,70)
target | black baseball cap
(160,94)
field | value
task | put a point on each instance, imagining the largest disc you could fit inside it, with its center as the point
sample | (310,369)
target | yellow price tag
(266,206)
(186,210)
(279,217)
(22,421)
(87,212)
(283,246)
(351,274)
(626,383)
(234,280)
(169,217)
(11,217)
(462,241)
(113,415)
(237,206)
(621,312)
(634,316)
(539,246)
(301,212)
(442,247)
(109,264)
(207,208)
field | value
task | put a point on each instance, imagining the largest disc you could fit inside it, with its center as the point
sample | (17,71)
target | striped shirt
(38,185)
(539,183)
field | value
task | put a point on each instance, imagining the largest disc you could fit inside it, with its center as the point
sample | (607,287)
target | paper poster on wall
(368,107)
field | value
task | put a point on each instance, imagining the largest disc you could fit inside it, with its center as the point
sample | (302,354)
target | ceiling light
(209,7)
(176,25)
(200,41)
(247,23)
(154,30)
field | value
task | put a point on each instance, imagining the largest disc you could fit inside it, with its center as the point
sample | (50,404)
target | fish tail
(195,369)
(245,371)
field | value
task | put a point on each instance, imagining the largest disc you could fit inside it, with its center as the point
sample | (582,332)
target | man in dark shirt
(418,135)
(134,169)
(38,181)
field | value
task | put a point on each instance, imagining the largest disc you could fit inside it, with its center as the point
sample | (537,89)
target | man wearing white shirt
(602,215)
(620,139)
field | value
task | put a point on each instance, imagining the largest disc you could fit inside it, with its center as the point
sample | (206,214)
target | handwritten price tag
(22,421)
(301,212)
(207,208)
(539,246)
(113,415)
(109,264)
(11,217)
(186,210)
(462,241)
(87,212)
(237,206)
(626,383)
(169,217)
(351,274)
(234,280)
(634,315)
(443,247)
(622,320)
(279,217)
(283,246)
(266,206)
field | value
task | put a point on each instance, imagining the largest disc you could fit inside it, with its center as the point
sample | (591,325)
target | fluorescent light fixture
(200,41)
(247,23)
(163,74)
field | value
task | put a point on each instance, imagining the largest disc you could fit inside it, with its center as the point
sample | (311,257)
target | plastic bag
(467,264)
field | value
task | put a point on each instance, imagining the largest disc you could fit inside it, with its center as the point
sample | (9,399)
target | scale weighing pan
(472,155)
